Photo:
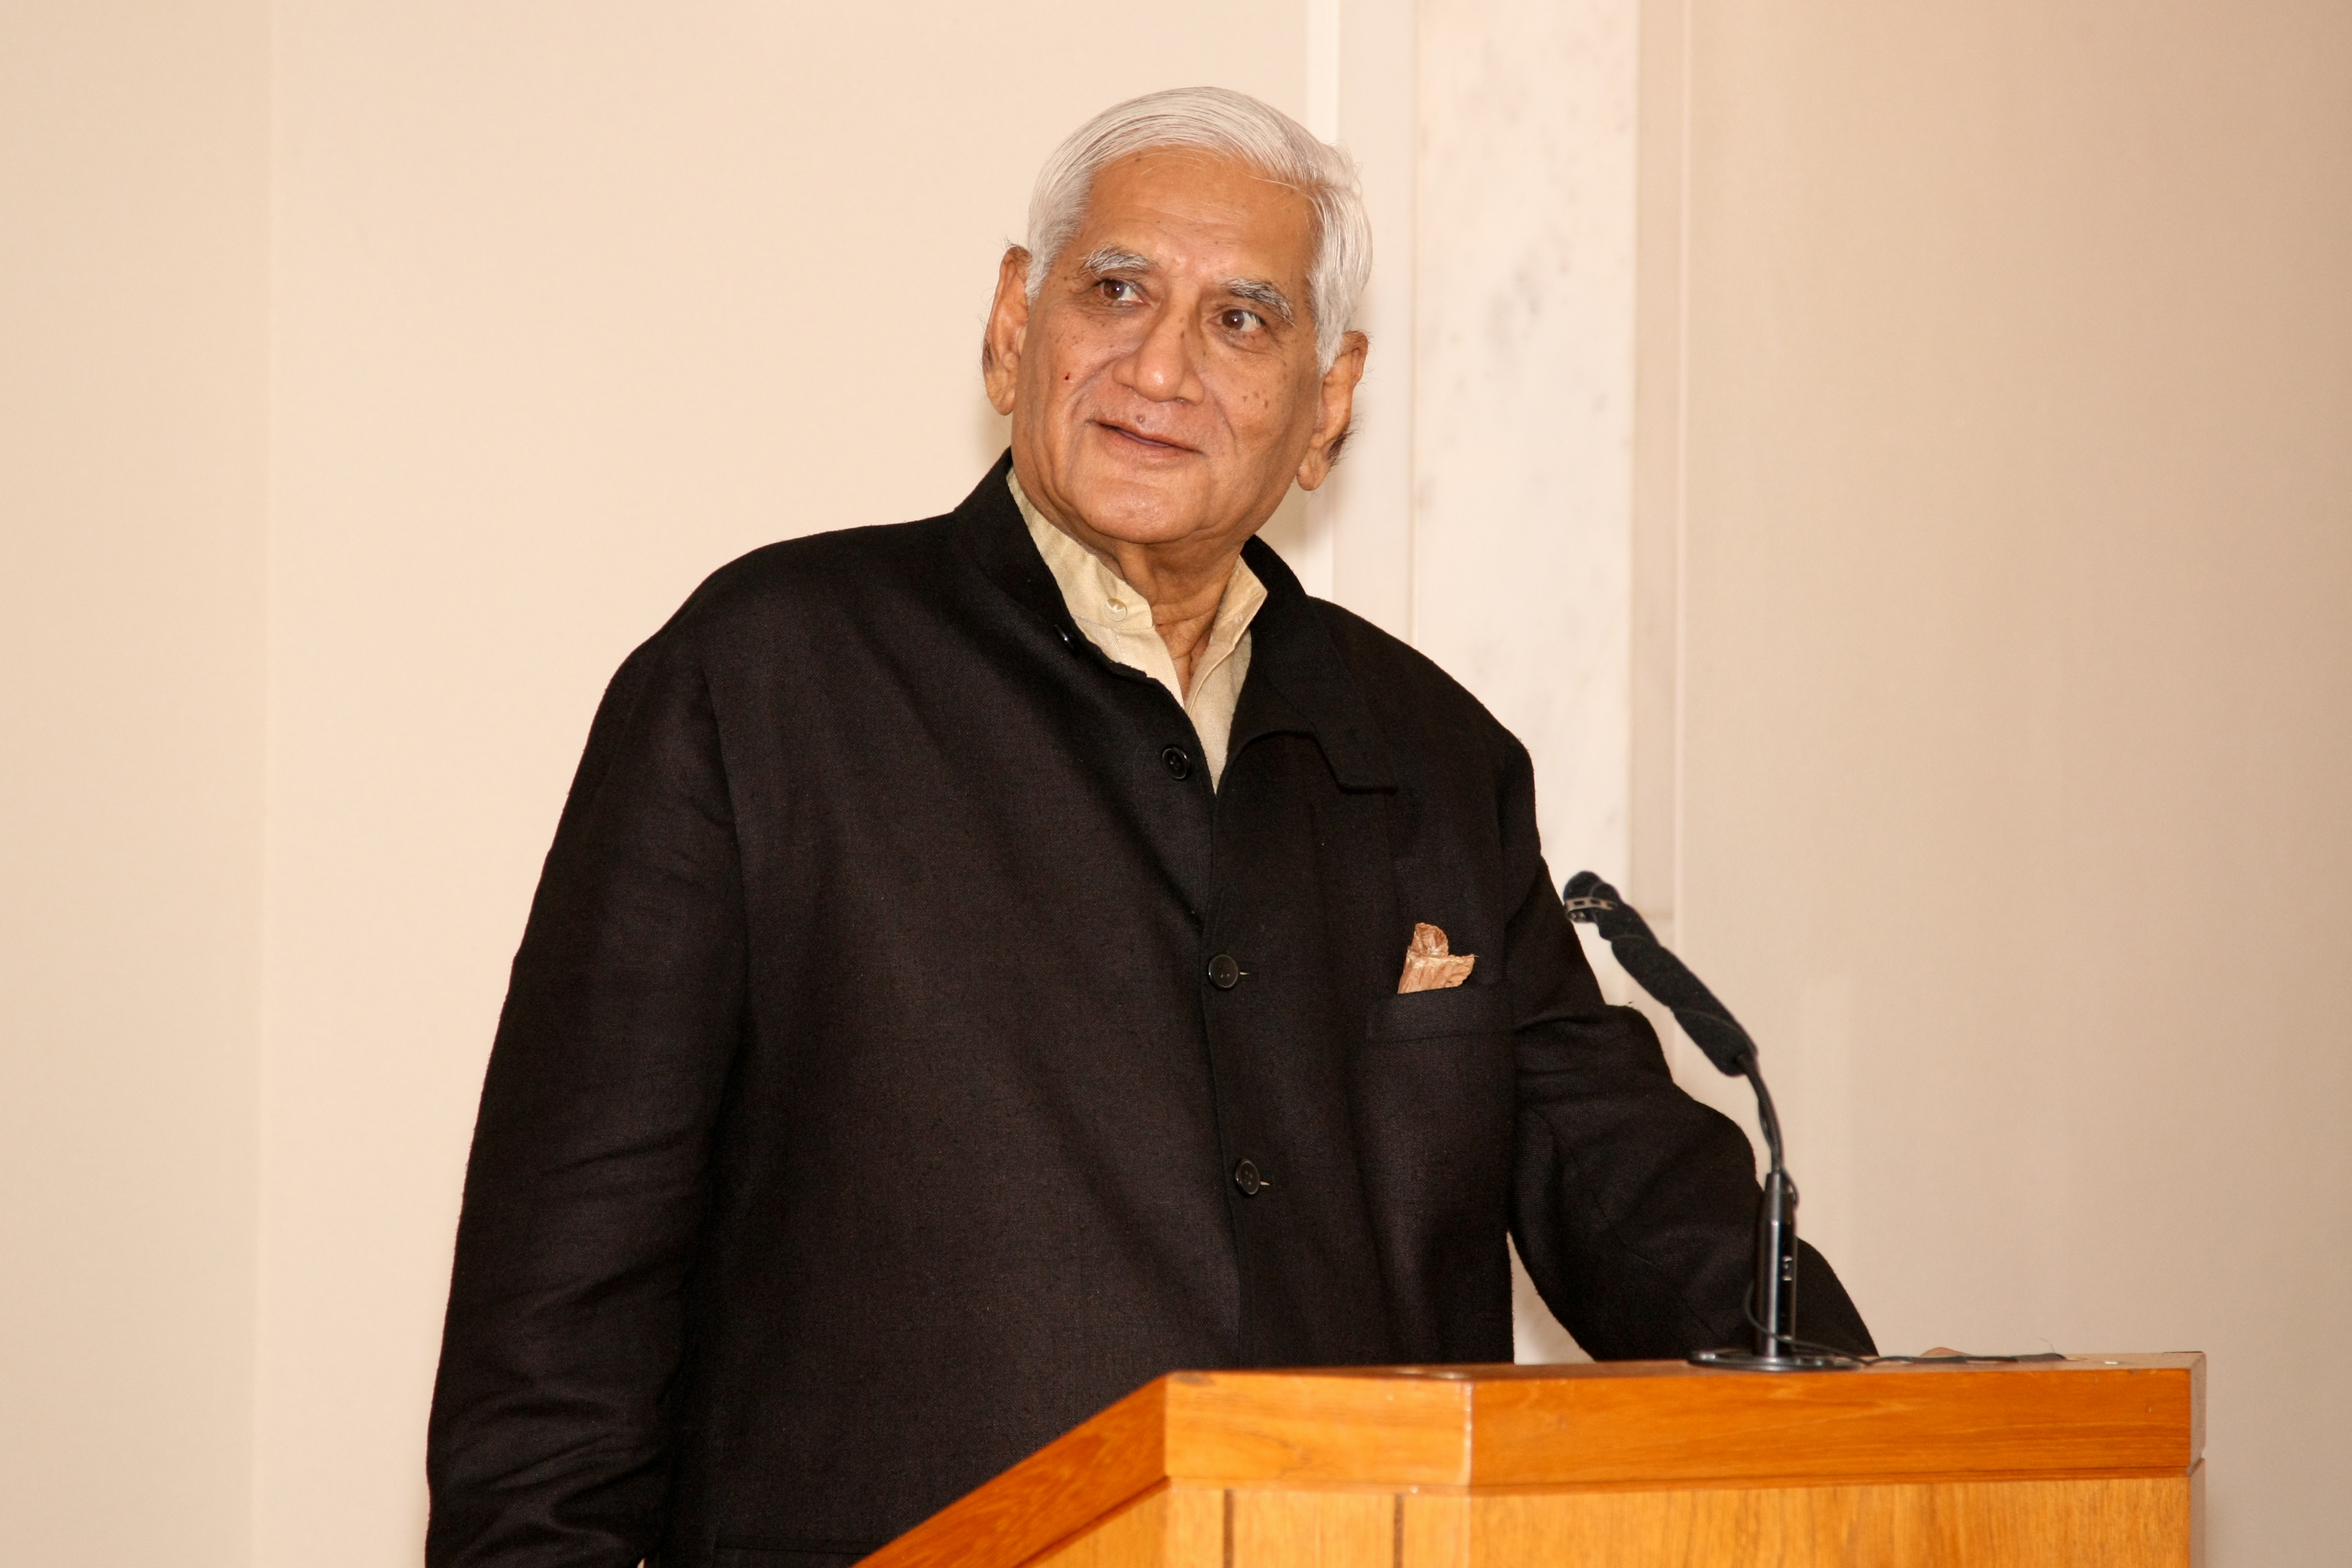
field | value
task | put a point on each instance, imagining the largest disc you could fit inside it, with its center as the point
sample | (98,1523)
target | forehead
(1185,209)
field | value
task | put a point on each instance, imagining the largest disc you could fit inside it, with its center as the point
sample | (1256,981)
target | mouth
(1136,441)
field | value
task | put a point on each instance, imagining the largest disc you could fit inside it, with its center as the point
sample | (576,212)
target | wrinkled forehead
(1180,206)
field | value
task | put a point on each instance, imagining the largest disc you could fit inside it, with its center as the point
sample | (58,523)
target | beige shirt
(1118,620)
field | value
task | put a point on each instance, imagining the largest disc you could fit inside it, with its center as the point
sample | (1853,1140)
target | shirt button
(1179,761)
(1245,1178)
(1224,973)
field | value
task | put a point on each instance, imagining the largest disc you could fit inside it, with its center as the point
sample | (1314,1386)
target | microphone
(1772,1300)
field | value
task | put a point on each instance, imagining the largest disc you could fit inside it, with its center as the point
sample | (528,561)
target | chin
(1140,508)
(1137,515)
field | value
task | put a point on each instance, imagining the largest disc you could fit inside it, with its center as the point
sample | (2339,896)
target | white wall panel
(1523,404)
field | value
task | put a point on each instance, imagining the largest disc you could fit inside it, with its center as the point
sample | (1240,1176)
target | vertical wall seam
(1681,485)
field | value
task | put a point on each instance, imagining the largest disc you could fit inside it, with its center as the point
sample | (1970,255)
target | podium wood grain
(2090,1463)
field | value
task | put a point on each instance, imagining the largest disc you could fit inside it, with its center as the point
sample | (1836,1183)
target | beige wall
(2017,724)
(134,234)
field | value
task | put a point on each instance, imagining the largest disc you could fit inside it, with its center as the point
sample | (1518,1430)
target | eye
(1234,318)
(1120,290)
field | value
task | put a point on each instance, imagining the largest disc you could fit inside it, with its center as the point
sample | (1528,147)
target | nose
(1162,367)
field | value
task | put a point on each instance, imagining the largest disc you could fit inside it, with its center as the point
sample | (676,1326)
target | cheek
(1074,358)
(1271,404)
(1249,401)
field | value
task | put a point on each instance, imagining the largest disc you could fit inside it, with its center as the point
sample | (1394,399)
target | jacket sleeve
(585,1189)
(1634,1205)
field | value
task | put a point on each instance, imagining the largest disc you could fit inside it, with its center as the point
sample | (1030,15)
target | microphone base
(1749,1361)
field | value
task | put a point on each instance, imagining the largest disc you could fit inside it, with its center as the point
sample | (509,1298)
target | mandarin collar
(1297,682)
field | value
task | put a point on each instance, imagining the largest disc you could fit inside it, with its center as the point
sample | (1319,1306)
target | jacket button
(1179,765)
(1245,1178)
(1224,973)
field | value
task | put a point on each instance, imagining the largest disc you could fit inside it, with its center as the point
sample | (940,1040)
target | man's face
(1163,386)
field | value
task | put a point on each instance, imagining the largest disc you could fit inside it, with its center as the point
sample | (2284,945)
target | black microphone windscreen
(1707,1022)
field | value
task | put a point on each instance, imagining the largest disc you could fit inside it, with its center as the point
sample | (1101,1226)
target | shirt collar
(1118,618)
(1298,682)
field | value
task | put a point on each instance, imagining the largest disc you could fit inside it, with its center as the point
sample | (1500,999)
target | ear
(1338,407)
(1008,325)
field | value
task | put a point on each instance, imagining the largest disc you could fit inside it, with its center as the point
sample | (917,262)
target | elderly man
(971,978)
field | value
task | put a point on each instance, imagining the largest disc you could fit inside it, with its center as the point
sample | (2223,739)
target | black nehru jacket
(909,1054)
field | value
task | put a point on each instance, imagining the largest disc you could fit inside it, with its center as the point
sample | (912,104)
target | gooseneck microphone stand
(1772,1301)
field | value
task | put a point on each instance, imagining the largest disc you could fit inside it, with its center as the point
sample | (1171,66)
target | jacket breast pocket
(1434,1090)
(1456,1012)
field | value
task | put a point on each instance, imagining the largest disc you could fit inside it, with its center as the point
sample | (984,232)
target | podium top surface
(1607,1424)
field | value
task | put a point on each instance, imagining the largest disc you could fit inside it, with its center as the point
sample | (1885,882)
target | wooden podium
(2092,1462)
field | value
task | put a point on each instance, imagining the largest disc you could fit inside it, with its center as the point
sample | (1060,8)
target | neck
(1182,586)
(1183,580)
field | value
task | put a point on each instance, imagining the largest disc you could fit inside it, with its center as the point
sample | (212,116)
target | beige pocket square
(1430,964)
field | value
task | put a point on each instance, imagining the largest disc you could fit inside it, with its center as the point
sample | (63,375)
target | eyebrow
(1260,292)
(1110,259)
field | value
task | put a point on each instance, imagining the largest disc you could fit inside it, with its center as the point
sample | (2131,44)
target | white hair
(1231,125)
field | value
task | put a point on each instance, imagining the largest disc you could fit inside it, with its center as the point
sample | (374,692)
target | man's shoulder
(804,602)
(831,570)
(818,590)
(1409,695)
